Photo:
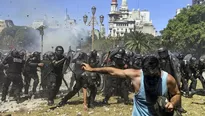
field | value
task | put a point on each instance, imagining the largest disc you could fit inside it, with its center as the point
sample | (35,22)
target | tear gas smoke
(28,11)
(64,36)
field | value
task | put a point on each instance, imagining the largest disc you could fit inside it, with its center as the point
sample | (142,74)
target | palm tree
(137,41)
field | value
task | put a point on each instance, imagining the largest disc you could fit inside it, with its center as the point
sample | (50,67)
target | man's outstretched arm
(128,73)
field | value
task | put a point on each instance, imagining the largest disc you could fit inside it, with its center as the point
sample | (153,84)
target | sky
(24,12)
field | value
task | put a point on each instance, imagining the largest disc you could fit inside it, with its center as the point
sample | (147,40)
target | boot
(17,98)
(3,99)
(105,102)
(61,103)
(182,110)
(50,102)
(127,102)
(91,105)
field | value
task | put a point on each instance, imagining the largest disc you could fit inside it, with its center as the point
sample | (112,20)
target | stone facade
(125,21)
(198,2)
(5,24)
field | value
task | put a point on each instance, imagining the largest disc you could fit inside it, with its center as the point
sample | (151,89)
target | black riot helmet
(137,61)
(36,55)
(192,60)
(45,57)
(130,54)
(51,55)
(180,56)
(121,51)
(93,53)
(15,53)
(163,53)
(80,55)
(59,51)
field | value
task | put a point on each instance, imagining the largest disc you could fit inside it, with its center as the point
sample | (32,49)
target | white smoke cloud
(24,12)
(64,37)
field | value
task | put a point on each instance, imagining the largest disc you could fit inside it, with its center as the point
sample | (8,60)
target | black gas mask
(59,51)
(93,54)
(36,56)
(163,53)
(193,62)
(137,64)
(137,61)
(92,58)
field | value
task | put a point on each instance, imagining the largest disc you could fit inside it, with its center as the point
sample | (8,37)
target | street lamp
(93,19)
(41,30)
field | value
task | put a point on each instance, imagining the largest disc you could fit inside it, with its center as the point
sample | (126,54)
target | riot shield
(46,69)
(176,67)
(66,63)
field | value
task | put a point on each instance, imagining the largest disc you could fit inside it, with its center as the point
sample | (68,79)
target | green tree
(186,32)
(103,44)
(18,36)
(139,42)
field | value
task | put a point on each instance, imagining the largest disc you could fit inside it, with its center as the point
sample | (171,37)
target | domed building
(123,20)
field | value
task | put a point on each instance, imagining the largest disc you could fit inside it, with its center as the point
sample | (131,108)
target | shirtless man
(149,83)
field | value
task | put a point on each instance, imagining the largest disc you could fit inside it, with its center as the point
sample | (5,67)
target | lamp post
(81,43)
(41,30)
(92,22)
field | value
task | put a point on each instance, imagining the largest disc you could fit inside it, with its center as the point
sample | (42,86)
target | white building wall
(149,30)
(128,20)
(145,16)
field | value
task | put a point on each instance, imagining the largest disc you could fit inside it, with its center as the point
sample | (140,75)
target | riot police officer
(2,75)
(201,67)
(194,71)
(57,61)
(137,61)
(48,76)
(169,64)
(15,63)
(78,59)
(30,72)
(93,79)
(117,59)
(197,73)
(185,73)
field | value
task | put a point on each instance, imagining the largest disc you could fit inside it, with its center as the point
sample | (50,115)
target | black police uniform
(78,59)
(201,67)
(30,72)
(14,71)
(170,65)
(119,85)
(58,61)
(91,82)
(2,75)
(197,70)
(48,77)
(186,75)
(93,79)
